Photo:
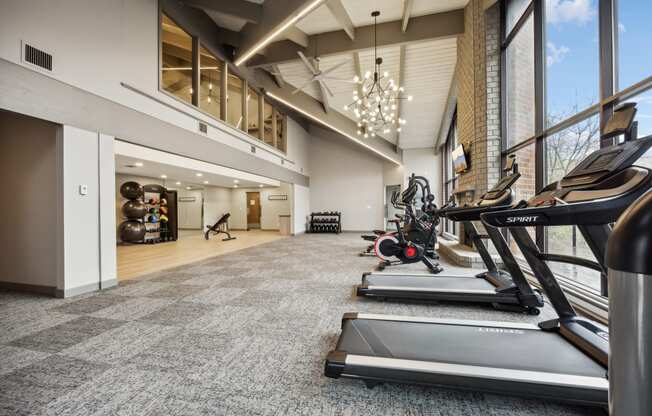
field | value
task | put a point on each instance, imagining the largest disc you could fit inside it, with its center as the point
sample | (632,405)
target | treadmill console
(500,192)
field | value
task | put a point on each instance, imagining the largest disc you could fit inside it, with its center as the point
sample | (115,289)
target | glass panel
(268,136)
(634,53)
(525,187)
(176,60)
(280,132)
(515,9)
(210,69)
(572,58)
(252,112)
(520,85)
(564,150)
(234,101)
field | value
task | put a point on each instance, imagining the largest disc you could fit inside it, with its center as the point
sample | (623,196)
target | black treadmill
(502,290)
(565,359)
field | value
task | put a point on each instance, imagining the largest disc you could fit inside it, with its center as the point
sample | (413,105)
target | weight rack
(326,222)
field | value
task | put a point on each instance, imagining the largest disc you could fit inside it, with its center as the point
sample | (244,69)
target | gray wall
(28,178)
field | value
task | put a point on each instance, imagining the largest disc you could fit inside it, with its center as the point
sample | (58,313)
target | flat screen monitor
(459,160)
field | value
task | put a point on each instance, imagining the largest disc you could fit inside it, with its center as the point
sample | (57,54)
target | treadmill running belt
(485,346)
(462,283)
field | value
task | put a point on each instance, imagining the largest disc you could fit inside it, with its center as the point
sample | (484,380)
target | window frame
(450,229)
(197,43)
(609,96)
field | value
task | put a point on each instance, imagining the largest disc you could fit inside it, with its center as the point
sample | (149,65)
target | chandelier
(376,97)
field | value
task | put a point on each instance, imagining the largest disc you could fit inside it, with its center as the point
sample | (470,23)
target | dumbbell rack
(326,222)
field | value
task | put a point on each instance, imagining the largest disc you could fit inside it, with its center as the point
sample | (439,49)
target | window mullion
(608,70)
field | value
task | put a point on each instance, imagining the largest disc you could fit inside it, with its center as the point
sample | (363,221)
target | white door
(190,209)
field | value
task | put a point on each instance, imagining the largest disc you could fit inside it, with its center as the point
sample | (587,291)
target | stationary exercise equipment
(562,359)
(408,244)
(220,227)
(629,259)
(326,222)
(150,213)
(506,291)
(134,209)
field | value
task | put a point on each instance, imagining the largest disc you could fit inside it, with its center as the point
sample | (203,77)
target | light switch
(83,189)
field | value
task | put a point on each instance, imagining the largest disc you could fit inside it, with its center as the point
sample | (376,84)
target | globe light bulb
(409,98)
(359,132)
(210,86)
(346,107)
(398,130)
(373,134)
(366,135)
(385,74)
(208,99)
(356,79)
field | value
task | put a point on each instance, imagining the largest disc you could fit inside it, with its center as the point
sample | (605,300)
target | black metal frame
(449,181)
(196,75)
(610,95)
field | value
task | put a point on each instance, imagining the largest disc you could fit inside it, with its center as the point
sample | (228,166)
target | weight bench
(221,226)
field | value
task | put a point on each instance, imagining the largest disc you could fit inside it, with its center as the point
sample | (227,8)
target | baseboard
(299,233)
(24,287)
(80,290)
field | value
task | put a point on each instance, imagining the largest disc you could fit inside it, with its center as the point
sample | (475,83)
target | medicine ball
(164,201)
(164,218)
(164,210)
(134,209)
(153,219)
(132,231)
(131,190)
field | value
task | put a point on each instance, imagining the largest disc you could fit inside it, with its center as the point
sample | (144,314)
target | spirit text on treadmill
(513,220)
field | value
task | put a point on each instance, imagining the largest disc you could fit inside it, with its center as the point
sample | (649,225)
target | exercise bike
(410,243)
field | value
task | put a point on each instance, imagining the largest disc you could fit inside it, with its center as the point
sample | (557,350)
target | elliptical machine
(416,239)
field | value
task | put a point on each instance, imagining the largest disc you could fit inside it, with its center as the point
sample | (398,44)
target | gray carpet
(241,334)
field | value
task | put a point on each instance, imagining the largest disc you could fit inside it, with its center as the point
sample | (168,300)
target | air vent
(203,128)
(253,149)
(37,57)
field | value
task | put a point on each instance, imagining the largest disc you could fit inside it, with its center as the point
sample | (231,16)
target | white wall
(300,208)
(298,147)
(83,214)
(28,178)
(345,178)
(217,202)
(97,57)
(421,162)
(190,211)
(270,210)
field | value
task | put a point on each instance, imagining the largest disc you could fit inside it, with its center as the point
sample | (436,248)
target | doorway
(253,210)
(390,209)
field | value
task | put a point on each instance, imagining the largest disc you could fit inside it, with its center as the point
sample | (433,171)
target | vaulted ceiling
(417,41)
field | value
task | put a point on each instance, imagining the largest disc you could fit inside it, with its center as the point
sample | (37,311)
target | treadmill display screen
(602,160)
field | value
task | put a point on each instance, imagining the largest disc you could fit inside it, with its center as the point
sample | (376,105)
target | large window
(449,175)
(634,31)
(192,73)
(572,57)
(566,64)
(252,113)
(234,101)
(176,60)
(211,82)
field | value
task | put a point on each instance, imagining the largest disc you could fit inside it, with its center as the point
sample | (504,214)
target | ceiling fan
(318,75)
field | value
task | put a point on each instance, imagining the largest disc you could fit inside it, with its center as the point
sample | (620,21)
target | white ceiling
(428,74)
(321,20)
(181,169)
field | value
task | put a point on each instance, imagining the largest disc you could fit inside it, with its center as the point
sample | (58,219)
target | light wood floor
(141,259)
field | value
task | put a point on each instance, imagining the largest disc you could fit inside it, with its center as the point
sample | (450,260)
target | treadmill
(504,291)
(565,359)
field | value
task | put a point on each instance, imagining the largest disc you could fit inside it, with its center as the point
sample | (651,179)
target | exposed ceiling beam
(244,10)
(401,78)
(358,71)
(277,75)
(407,10)
(296,35)
(277,17)
(342,16)
(439,25)
(324,97)
(307,107)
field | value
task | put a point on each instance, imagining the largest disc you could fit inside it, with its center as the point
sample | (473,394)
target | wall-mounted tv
(460,163)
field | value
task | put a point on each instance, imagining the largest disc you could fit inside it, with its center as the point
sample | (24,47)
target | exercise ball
(134,209)
(131,190)
(132,231)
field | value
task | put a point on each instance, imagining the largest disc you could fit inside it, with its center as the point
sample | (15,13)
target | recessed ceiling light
(188,188)
(235,186)
(236,181)
(178,183)
(205,182)
(199,174)
(139,164)
(260,186)
(164,176)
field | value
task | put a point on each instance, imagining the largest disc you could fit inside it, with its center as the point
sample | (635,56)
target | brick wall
(478,106)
